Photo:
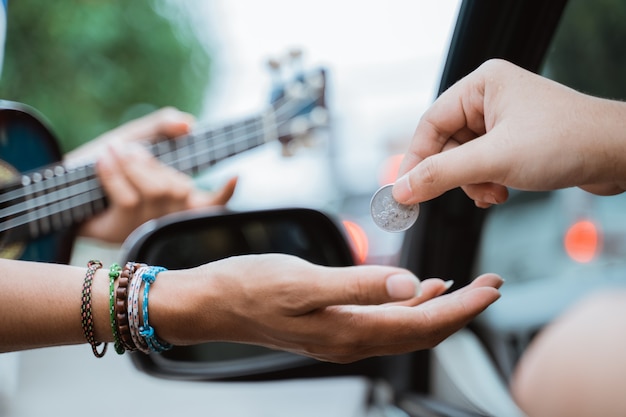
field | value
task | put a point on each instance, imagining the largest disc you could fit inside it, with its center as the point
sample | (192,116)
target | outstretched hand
(137,185)
(331,314)
(503,126)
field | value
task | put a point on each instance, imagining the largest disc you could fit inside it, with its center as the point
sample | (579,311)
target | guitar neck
(56,197)
(200,150)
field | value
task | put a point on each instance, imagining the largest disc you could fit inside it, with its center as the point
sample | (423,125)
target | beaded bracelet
(148,276)
(114,273)
(85,309)
(121,309)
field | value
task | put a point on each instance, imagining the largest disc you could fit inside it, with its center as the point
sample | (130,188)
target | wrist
(612,119)
(183,307)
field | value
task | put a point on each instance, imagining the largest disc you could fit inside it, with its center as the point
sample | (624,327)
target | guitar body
(26,143)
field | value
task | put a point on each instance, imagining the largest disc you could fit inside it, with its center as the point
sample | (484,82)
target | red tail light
(358,239)
(389,170)
(582,241)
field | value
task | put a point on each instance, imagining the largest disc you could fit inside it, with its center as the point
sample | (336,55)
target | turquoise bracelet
(154,344)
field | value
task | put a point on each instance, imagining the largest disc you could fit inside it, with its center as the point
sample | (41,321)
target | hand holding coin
(390,215)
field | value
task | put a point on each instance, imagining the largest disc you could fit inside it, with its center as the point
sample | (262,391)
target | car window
(554,247)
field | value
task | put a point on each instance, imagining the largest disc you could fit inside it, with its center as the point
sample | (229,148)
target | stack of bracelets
(128,308)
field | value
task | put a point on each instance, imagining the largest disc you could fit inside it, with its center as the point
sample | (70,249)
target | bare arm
(581,352)
(278,301)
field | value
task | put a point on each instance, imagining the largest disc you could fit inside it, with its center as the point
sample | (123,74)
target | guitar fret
(193,150)
(36,225)
(66,213)
(185,154)
(73,178)
(161,150)
(219,150)
(54,183)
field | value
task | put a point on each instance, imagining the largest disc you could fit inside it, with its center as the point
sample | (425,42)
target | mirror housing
(189,239)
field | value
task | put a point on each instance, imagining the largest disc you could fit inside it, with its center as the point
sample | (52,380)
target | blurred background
(90,66)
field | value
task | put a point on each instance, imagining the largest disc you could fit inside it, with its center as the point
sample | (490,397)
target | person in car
(502,126)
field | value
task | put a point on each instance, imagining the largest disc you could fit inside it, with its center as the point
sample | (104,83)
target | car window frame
(446,239)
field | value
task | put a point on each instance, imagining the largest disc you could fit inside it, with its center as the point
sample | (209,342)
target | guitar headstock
(298,98)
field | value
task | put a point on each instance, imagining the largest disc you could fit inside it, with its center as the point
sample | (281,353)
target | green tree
(88,66)
(588,48)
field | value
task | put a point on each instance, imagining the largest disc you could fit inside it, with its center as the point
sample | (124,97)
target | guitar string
(49,203)
(89,191)
(63,191)
(216,149)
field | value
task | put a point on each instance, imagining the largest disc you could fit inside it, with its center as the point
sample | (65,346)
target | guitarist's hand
(138,186)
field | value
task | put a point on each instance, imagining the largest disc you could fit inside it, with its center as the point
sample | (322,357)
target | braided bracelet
(148,276)
(114,273)
(85,309)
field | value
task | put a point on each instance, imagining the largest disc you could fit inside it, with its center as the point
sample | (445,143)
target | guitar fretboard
(56,197)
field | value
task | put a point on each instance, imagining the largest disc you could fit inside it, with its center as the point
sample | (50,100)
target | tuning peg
(295,56)
(273,64)
(289,149)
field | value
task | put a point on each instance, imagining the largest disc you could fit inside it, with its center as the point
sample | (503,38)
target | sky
(383,59)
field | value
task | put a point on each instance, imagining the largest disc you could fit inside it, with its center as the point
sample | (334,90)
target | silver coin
(390,215)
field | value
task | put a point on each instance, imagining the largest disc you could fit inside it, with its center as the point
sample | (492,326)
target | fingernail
(448,284)
(403,286)
(491,199)
(402,189)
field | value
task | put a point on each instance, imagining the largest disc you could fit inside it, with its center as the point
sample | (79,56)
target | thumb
(473,162)
(364,285)
(218,198)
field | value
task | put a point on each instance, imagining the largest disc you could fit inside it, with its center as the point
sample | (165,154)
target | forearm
(41,305)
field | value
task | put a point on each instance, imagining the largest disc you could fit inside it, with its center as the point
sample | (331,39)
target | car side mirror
(189,239)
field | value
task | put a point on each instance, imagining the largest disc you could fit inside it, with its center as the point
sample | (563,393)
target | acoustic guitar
(43,200)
